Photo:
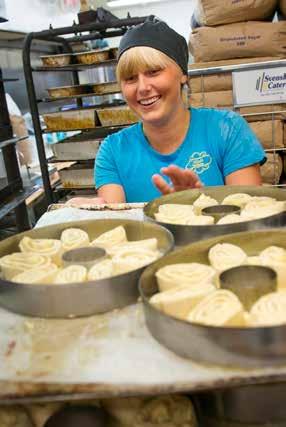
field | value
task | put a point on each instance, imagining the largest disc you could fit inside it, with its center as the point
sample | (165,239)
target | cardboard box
(223,99)
(210,83)
(272,170)
(216,12)
(269,133)
(282,7)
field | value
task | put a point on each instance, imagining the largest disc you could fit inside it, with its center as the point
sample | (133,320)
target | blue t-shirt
(218,142)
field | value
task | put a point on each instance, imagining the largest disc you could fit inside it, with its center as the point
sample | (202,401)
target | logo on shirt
(199,162)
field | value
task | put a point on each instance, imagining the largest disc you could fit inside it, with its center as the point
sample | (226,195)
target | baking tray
(69,91)
(185,234)
(78,176)
(84,118)
(116,116)
(105,88)
(73,300)
(246,404)
(213,422)
(59,60)
(227,346)
(91,56)
(75,150)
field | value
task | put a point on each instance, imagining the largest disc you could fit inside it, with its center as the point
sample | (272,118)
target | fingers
(161,184)
(198,184)
(182,179)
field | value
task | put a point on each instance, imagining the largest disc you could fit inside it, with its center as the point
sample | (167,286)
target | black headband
(158,35)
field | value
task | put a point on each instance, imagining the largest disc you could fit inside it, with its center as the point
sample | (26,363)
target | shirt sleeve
(241,148)
(105,168)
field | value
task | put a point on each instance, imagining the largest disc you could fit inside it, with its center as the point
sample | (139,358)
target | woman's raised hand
(181,179)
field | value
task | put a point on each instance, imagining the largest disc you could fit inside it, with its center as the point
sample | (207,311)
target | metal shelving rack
(105,27)
(12,192)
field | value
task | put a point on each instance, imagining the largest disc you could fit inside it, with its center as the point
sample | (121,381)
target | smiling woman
(173,147)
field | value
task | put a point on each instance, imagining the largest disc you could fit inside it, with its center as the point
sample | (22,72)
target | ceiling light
(122,3)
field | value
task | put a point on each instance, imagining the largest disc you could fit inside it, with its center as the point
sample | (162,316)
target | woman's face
(154,94)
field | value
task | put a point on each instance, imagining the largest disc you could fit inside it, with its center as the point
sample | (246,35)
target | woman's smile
(147,102)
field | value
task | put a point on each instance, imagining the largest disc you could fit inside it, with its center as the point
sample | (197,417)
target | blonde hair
(141,58)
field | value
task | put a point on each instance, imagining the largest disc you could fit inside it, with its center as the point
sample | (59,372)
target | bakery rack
(105,26)
(12,192)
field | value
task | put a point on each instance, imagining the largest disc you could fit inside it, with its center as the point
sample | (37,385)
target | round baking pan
(185,234)
(213,422)
(79,299)
(254,404)
(227,346)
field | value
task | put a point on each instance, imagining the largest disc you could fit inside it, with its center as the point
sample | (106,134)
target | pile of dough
(101,270)
(131,259)
(253,260)
(49,247)
(255,210)
(275,257)
(149,244)
(237,199)
(230,219)
(73,238)
(263,201)
(18,262)
(174,213)
(252,207)
(43,276)
(188,290)
(41,412)
(223,256)
(172,219)
(175,208)
(180,301)
(110,238)
(128,256)
(71,274)
(184,274)
(162,411)
(269,310)
(14,416)
(219,308)
(170,208)
(200,220)
(203,202)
